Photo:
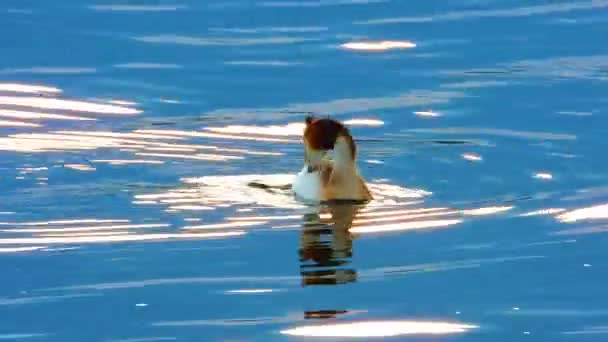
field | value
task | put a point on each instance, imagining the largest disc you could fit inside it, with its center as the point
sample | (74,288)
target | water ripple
(138,8)
(379,329)
(48,71)
(562,7)
(15,336)
(496,132)
(415,98)
(225,41)
(318,3)
(68,105)
(145,339)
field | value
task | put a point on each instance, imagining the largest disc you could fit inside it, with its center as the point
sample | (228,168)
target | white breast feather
(307,185)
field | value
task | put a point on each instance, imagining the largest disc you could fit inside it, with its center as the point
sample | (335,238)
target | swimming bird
(322,179)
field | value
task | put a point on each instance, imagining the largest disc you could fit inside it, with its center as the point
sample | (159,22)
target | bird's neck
(345,151)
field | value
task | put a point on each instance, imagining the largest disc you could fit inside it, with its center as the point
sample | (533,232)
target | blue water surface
(130,133)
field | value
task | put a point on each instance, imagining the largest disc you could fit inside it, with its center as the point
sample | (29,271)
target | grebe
(322,179)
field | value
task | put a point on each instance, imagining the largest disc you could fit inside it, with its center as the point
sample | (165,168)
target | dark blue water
(130,131)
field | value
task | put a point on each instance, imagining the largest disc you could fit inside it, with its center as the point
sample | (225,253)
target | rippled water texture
(130,133)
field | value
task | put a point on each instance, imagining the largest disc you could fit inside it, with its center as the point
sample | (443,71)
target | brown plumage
(340,178)
(339,183)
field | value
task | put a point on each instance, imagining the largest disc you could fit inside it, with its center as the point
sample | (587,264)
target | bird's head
(323,135)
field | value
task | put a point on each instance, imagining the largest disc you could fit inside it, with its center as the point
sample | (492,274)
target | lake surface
(130,131)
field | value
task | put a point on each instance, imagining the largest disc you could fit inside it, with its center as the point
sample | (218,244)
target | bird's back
(342,183)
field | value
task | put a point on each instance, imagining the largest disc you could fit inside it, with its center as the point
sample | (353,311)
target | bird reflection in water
(326,249)
(326,245)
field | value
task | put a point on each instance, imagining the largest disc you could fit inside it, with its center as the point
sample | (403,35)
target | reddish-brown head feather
(321,134)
